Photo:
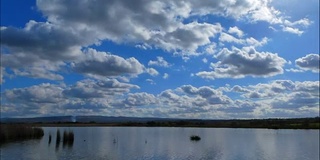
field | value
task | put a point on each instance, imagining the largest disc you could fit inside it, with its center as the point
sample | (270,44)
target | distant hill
(37,119)
(83,119)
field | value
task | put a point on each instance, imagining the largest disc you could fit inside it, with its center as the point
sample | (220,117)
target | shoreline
(295,123)
(111,125)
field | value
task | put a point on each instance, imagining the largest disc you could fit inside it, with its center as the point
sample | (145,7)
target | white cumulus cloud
(239,63)
(309,62)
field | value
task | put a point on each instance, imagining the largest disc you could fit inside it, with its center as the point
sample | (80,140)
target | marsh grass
(18,132)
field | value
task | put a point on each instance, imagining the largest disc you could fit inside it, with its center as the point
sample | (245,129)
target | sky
(218,59)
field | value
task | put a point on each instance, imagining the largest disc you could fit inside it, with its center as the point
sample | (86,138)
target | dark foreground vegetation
(17,132)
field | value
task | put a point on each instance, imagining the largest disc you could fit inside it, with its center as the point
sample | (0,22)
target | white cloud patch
(113,98)
(32,67)
(294,70)
(103,64)
(46,41)
(283,94)
(282,98)
(40,50)
(159,62)
(205,60)
(186,39)
(139,99)
(165,76)
(266,13)
(160,23)
(153,22)
(150,81)
(40,94)
(86,96)
(239,63)
(296,26)
(292,30)
(240,89)
(211,48)
(302,22)
(212,96)
(235,30)
(44,49)
(309,62)
(87,89)
(152,72)
(224,37)
(296,101)
(253,42)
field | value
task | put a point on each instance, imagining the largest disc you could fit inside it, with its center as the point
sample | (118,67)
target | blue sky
(179,59)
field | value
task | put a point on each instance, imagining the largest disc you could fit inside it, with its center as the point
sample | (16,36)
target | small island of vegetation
(195,138)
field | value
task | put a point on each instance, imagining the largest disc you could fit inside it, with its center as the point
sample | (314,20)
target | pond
(160,143)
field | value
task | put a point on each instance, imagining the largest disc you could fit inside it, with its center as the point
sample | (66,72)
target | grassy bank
(17,132)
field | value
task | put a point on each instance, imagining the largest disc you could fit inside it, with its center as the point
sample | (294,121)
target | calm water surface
(138,143)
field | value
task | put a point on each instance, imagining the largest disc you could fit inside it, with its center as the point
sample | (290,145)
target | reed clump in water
(68,138)
(58,138)
(17,132)
(49,138)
